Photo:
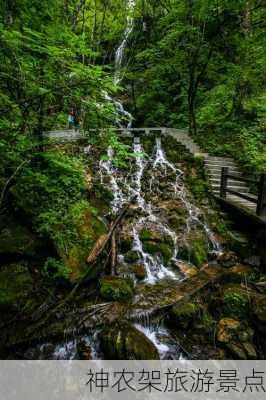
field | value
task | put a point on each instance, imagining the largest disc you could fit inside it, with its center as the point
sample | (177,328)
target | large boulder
(122,341)
(237,338)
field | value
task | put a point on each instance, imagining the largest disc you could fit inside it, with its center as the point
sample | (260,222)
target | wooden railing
(259,200)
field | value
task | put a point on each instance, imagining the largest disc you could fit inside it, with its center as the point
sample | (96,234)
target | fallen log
(103,241)
(114,255)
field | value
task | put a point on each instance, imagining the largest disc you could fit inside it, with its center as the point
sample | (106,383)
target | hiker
(71,119)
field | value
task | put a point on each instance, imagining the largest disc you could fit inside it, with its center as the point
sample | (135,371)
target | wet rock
(176,222)
(140,271)
(183,315)
(132,256)
(187,269)
(195,249)
(250,351)
(122,341)
(116,289)
(237,351)
(84,351)
(228,260)
(226,329)
(163,249)
(245,335)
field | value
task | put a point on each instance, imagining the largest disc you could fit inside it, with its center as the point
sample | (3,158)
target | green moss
(145,234)
(124,342)
(185,310)
(196,249)
(183,315)
(161,248)
(235,304)
(116,289)
(131,256)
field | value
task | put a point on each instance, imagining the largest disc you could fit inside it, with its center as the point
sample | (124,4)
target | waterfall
(122,114)
(119,55)
(147,217)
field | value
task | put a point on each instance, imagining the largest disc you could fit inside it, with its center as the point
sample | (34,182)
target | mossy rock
(116,289)
(195,250)
(131,256)
(235,303)
(183,315)
(16,284)
(140,271)
(122,341)
(86,228)
(164,249)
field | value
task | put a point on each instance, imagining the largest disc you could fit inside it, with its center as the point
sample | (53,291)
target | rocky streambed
(185,284)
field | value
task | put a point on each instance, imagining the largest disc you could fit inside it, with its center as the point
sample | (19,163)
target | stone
(116,289)
(187,269)
(122,341)
(226,330)
(181,316)
(237,351)
(164,249)
(195,250)
(228,260)
(132,256)
(84,351)
(250,350)
(140,271)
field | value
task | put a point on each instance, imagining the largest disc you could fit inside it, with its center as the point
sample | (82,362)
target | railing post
(261,205)
(224,178)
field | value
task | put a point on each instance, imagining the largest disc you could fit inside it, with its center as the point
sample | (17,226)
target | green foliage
(115,289)
(235,304)
(56,270)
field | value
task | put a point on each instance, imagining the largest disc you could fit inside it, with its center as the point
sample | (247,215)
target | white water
(119,56)
(147,217)
(122,116)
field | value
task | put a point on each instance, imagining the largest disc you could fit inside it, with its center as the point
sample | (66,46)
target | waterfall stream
(123,116)
(147,217)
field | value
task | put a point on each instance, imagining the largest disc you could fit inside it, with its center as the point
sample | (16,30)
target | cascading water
(159,169)
(122,114)
(147,216)
(119,55)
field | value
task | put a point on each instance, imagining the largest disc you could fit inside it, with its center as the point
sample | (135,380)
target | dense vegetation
(203,65)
